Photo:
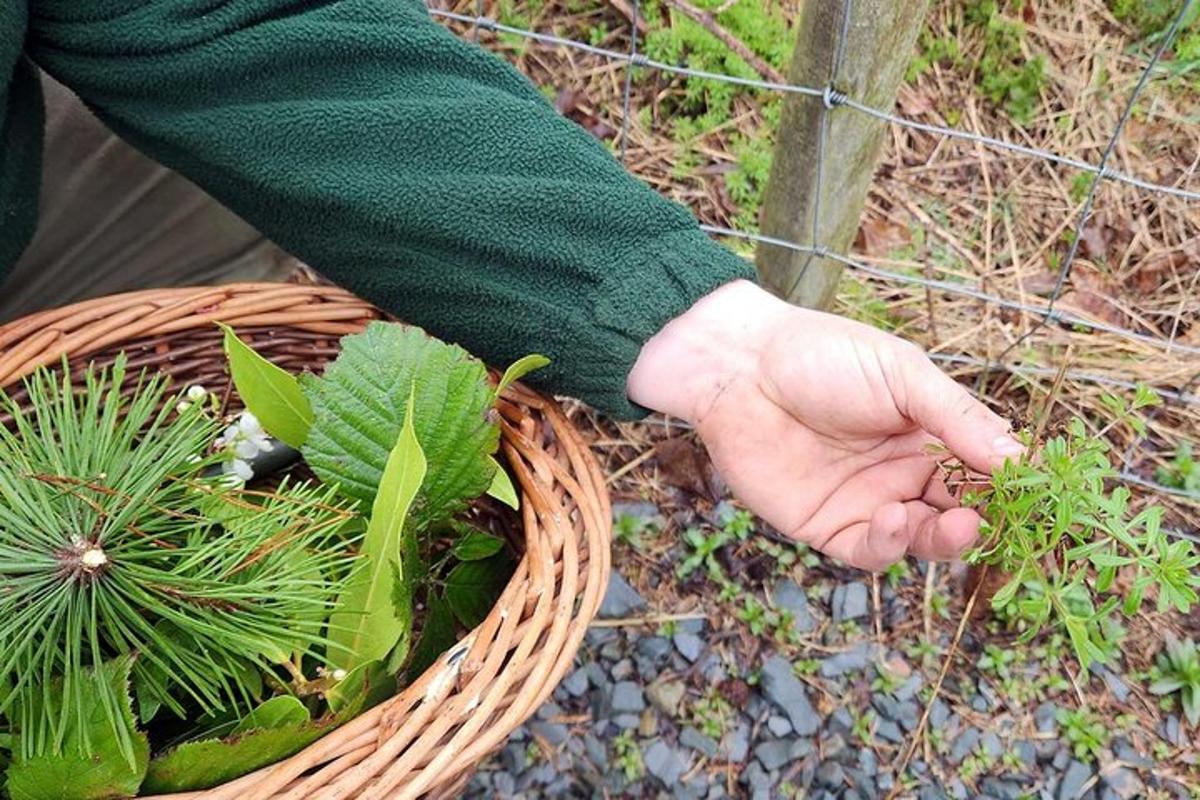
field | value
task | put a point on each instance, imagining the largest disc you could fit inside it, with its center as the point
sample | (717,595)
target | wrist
(698,355)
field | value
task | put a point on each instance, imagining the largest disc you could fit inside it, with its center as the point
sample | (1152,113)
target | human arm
(403,163)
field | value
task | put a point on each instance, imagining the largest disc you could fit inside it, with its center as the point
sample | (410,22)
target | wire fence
(834,101)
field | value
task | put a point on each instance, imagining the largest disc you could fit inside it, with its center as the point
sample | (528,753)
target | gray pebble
(964,745)
(832,745)
(663,762)
(627,722)
(504,785)
(908,690)
(666,696)
(789,597)
(939,713)
(850,601)
(554,733)
(778,726)
(1172,731)
(774,754)
(1130,755)
(781,686)
(620,599)
(856,659)
(991,745)
(622,670)
(627,698)
(1062,757)
(1118,687)
(654,647)
(689,645)
(831,775)
(889,731)
(1071,785)
(597,753)
(576,684)
(755,777)
(514,757)
(1046,718)
(1124,783)
(690,737)
(737,743)
(549,711)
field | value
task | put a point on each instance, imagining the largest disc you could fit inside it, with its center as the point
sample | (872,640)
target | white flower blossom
(196,393)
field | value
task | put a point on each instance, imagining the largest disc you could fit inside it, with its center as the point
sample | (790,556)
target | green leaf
(359,406)
(366,623)
(211,762)
(476,545)
(1007,592)
(473,587)
(364,686)
(270,393)
(437,636)
(519,369)
(278,712)
(95,762)
(502,487)
(1144,396)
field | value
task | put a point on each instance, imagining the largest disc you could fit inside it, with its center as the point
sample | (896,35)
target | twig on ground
(919,734)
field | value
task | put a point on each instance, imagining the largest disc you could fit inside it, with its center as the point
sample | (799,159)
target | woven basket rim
(425,741)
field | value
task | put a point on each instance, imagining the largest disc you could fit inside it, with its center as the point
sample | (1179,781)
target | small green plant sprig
(1178,670)
(1183,472)
(1053,525)
(107,554)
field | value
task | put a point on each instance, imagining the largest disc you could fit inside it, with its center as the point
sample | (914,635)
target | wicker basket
(426,741)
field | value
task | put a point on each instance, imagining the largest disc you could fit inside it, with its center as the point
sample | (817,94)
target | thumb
(944,408)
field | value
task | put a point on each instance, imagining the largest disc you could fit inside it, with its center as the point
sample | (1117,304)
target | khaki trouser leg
(112,220)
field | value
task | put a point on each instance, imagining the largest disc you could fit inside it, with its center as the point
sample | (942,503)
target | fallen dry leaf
(881,237)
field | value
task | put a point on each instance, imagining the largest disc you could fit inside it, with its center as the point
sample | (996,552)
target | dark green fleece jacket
(411,167)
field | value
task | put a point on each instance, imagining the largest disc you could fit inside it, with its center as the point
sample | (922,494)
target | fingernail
(1007,447)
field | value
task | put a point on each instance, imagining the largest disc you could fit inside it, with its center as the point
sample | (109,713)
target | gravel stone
(1046,718)
(1027,752)
(627,697)
(694,739)
(627,722)
(597,753)
(1117,686)
(868,762)
(1061,758)
(576,684)
(991,745)
(549,711)
(781,686)
(622,670)
(908,690)
(850,601)
(889,731)
(655,648)
(755,777)
(831,775)
(1002,789)
(514,757)
(939,713)
(554,733)
(1130,755)
(503,784)
(855,659)
(1071,785)
(778,726)
(1173,731)
(689,645)
(964,745)
(620,599)
(1124,783)
(774,754)
(666,696)
(833,745)
(788,596)
(663,762)
(737,743)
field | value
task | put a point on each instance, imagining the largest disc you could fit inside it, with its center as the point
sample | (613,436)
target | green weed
(1178,671)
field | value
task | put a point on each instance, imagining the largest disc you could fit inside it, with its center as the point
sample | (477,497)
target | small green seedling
(1182,472)
(1061,533)
(1178,670)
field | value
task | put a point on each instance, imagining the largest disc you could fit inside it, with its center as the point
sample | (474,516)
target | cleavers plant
(1073,550)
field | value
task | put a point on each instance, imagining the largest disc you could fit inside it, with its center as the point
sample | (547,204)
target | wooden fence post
(879,45)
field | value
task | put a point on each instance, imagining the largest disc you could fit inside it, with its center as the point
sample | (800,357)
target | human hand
(822,425)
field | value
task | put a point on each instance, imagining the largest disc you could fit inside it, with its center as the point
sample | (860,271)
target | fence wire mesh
(835,101)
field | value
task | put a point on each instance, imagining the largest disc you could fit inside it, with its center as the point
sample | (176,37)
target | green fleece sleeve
(411,167)
(20,136)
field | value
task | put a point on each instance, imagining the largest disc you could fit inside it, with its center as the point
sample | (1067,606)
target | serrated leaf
(366,623)
(475,545)
(359,407)
(519,369)
(269,392)
(211,762)
(364,686)
(96,762)
(437,636)
(502,487)
(278,712)
(473,587)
